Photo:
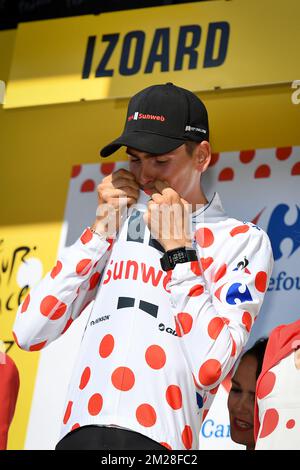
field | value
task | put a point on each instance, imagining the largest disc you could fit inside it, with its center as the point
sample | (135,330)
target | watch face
(178,257)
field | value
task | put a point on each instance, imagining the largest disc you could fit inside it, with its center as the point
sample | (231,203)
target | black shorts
(106,438)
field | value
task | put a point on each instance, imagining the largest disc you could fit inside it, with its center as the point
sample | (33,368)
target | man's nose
(147,175)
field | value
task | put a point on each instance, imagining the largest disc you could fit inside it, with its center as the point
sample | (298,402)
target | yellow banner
(200,46)
(25,256)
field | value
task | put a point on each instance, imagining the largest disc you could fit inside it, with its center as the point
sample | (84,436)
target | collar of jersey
(212,211)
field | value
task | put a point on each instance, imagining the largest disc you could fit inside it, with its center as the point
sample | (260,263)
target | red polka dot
(226,175)
(246,156)
(84,266)
(205,412)
(263,171)
(94,280)
(247,321)
(206,262)
(261,281)
(214,159)
(88,186)
(213,391)
(204,237)
(106,346)
(25,304)
(95,404)
(68,412)
(257,217)
(16,339)
(75,426)
(86,236)
(187,437)
(210,372)
(68,324)
(166,445)
(283,153)
(76,170)
(215,327)
(174,397)
(270,422)
(266,385)
(155,357)
(123,379)
(296,169)
(146,416)
(107,168)
(226,383)
(196,290)
(56,270)
(220,273)
(290,424)
(111,242)
(196,268)
(52,308)
(218,292)
(233,349)
(85,377)
(38,346)
(239,229)
(184,323)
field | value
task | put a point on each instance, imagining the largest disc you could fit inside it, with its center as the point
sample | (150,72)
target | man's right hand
(116,192)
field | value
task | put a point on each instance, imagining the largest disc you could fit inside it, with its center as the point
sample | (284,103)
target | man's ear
(202,155)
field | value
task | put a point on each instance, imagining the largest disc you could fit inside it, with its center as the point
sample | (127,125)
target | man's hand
(116,192)
(167,218)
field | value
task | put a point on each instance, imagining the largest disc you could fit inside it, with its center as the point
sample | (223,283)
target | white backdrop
(261,186)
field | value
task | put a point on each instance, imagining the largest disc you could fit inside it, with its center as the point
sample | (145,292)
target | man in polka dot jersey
(171,313)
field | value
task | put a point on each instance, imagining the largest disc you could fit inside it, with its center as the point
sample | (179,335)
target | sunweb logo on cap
(153,117)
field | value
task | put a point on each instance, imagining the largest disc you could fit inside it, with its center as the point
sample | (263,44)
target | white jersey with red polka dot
(157,344)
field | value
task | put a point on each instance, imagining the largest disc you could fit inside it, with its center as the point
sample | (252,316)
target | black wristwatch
(178,255)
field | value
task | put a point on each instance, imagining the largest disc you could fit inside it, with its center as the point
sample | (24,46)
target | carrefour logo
(278,230)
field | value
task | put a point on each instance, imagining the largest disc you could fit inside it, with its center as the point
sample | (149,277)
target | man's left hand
(167,217)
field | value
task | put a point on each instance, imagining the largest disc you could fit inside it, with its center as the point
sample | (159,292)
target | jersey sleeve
(270,353)
(61,296)
(214,318)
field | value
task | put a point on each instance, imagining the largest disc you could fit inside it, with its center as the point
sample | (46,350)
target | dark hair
(257,351)
(190,146)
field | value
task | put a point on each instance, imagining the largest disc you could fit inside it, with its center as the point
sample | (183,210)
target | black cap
(160,118)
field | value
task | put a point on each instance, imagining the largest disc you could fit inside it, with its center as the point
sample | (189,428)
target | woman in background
(241,399)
